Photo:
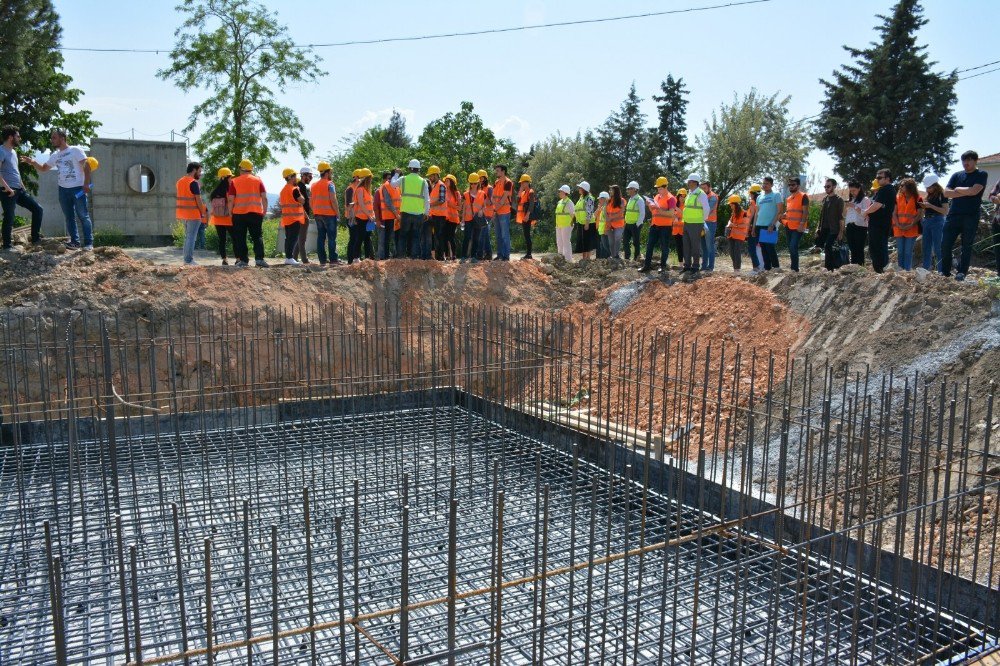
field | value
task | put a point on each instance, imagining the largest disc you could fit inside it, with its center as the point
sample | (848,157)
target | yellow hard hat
(661,182)
(224,172)
(246,165)
(286,172)
(94,164)
(434,170)
(482,173)
(734,198)
(525,178)
(874,184)
(756,188)
(452,179)
(356,173)
(323,166)
(365,173)
(473,178)
(682,192)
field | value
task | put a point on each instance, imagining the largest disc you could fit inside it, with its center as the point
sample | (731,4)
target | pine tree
(622,146)
(673,151)
(395,134)
(889,109)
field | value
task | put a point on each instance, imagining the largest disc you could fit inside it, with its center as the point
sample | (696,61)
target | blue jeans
(326,237)
(191,228)
(425,239)
(955,226)
(503,236)
(74,205)
(793,248)
(385,233)
(933,231)
(24,200)
(485,250)
(199,243)
(708,247)
(406,239)
(904,252)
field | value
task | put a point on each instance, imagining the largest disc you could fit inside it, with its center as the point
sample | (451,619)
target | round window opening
(140,178)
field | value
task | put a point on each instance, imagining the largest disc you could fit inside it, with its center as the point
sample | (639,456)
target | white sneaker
(88,248)
(291,262)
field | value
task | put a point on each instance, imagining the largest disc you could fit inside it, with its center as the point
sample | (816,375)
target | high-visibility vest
(412,194)
(678,229)
(632,210)
(390,193)
(693,214)
(248,194)
(602,220)
(488,209)
(439,208)
(501,197)
(187,203)
(524,205)
(905,225)
(663,214)
(364,205)
(713,206)
(739,225)
(563,219)
(467,204)
(794,211)
(615,215)
(322,202)
(581,209)
(291,210)
(451,201)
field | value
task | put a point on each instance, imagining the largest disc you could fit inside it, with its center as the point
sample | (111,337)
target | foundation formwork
(479,486)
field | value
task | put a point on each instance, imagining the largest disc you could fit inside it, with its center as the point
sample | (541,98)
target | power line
(972,76)
(971,69)
(471,33)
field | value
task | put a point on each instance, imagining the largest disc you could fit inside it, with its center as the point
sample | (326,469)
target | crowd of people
(430,215)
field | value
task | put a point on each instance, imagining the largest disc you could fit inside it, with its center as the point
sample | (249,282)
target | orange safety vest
(364,205)
(615,216)
(906,218)
(394,195)
(501,202)
(466,206)
(187,203)
(523,201)
(451,200)
(663,214)
(678,228)
(488,203)
(713,214)
(248,193)
(291,210)
(438,208)
(795,209)
(739,225)
(322,202)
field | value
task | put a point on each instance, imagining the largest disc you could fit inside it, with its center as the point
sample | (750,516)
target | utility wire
(970,69)
(445,35)
(972,76)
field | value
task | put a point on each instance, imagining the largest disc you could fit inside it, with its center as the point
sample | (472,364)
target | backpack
(219,207)
(536,211)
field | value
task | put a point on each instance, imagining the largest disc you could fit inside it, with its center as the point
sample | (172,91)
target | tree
(749,139)
(623,146)
(460,143)
(670,136)
(34,91)
(240,55)
(371,150)
(888,109)
(555,161)
(395,133)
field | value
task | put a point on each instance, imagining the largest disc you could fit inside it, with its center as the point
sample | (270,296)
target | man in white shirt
(74,185)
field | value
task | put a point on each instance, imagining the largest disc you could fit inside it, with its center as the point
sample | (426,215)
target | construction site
(415,462)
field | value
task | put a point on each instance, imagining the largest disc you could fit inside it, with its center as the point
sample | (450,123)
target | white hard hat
(603,195)
(414,164)
(930,180)
(632,186)
(695,177)
(585,186)
(565,189)
(306,170)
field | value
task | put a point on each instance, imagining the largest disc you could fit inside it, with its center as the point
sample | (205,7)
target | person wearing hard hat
(737,230)
(601,223)
(12,192)
(221,216)
(305,178)
(433,228)
(292,214)
(663,209)
(388,221)
(447,248)
(635,215)
(74,186)
(526,217)
(564,223)
(473,213)
(678,226)
(349,197)
(935,207)
(586,230)
(696,209)
(503,197)
(415,208)
(190,209)
(770,208)
(363,221)
(485,241)
(323,198)
(711,224)
(248,202)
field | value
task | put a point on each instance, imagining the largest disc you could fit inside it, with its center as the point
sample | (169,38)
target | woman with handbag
(221,217)
(935,207)
(856,223)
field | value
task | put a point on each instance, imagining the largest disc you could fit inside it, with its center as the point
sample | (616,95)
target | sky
(533,83)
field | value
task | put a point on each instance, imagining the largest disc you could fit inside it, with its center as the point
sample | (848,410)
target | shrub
(110,237)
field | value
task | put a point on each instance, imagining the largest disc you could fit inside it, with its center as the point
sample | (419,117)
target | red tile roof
(990,159)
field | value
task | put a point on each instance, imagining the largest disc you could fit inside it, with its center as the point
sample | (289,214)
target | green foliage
(110,237)
(749,139)
(395,132)
(555,161)
(670,136)
(371,150)
(241,56)
(460,143)
(20,221)
(888,109)
(35,93)
(624,149)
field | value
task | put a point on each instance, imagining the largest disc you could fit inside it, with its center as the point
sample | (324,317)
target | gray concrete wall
(144,218)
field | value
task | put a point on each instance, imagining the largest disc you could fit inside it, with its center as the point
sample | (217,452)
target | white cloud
(513,127)
(372,118)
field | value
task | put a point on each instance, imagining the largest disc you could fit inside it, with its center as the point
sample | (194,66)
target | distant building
(991,165)
(133,190)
